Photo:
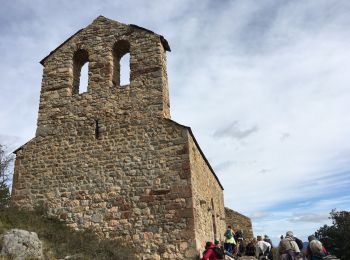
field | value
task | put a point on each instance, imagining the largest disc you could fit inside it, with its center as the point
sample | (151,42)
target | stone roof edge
(236,212)
(164,42)
(200,150)
(42,62)
(19,148)
(162,39)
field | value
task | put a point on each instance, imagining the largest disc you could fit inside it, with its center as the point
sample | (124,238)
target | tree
(336,238)
(5,165)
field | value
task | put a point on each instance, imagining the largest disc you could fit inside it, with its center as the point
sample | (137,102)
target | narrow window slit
(213,218)
(97,129)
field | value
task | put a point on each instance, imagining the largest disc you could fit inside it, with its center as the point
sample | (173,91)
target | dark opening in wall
(80,71)
(97,129)
(121,63)
(213,218)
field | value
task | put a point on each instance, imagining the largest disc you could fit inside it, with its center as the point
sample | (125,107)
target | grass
(60,241)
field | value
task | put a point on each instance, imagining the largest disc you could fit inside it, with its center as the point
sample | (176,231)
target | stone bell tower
(102,45)
(110,158)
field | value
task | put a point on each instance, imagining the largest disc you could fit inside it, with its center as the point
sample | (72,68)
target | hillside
(60,241)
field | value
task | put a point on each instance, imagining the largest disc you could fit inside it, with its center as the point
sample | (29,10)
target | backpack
(291,255)
(250,249)
(299,243)
(228,234)
(239,234)
(219,252)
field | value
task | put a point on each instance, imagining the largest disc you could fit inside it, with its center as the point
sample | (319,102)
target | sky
(264,85)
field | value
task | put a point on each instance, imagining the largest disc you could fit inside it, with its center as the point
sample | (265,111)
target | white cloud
(234,131)
(259,215)
(310,217)
(301,218)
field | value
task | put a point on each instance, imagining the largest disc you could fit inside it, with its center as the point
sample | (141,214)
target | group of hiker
(289,248)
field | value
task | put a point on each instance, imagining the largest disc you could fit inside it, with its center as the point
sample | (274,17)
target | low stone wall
(239,221)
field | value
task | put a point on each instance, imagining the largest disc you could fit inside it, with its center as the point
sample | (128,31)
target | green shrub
(336,237)
(5,196)
(6,161)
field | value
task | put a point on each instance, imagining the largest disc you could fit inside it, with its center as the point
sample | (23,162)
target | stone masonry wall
(239,221)
(110,159)
(112,185)
(106,159)
(146,96)
(208,200)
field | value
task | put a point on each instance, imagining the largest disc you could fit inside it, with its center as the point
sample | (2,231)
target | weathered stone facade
(111,159)
(239,222)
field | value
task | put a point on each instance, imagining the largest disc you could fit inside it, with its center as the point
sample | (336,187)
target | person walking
(262,248)
(250,248)
(229,240)
(315,248)
(212,252)
(288,249)
(239,238)
(268,240)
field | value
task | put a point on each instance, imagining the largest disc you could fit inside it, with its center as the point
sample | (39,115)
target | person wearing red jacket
(209,253)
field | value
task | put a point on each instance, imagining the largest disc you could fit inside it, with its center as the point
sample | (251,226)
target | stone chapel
(110,158)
